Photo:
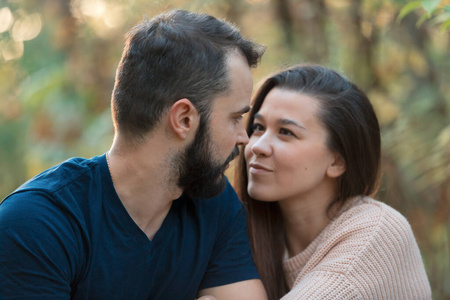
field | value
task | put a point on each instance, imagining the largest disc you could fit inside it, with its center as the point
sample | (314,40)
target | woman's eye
(285,131)
(257,127)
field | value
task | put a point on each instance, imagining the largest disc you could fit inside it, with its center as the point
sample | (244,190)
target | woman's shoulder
(371,245)
(385,228)
(364,224)
(368,214)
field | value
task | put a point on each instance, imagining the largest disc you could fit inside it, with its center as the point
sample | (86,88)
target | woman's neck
(305,218)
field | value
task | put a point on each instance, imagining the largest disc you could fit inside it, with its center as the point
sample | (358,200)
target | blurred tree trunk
(283,13)
(87,61)
(421,38)
(304,27)
(319,51)
(362,63)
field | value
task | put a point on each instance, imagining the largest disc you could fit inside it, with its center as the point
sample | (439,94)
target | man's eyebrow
(244,110)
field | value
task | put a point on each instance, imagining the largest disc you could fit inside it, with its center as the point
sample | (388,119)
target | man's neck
(142,180)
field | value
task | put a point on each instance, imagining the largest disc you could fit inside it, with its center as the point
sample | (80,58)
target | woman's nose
(262,146)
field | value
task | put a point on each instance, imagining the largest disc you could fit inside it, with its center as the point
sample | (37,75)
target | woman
(306,178)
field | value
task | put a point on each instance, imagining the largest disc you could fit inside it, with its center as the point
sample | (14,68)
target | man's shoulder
(46,191)
(38,205)
(59,175)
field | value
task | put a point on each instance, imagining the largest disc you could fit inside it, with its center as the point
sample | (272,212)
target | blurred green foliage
(58,60)
(433,10)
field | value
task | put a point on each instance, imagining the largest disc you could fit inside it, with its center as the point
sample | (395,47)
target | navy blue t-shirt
(65,234)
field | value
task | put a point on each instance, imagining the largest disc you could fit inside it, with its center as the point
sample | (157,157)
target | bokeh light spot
(92,8)
(6,19)
(11,49)
(27,28)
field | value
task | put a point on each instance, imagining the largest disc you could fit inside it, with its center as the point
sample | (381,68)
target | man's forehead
(232,103)
(237,97)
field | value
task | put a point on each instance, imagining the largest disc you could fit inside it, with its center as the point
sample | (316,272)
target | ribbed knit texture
(368,251)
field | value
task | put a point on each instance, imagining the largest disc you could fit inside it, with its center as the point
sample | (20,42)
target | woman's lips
(256,168)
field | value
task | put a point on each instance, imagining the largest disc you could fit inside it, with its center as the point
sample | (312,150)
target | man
(134,223)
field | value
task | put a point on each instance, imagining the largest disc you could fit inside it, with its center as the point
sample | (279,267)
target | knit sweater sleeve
(390,266)
(368,253)
(324,285)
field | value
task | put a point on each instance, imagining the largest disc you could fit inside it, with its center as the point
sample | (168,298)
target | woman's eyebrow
(290,122)
(258,116)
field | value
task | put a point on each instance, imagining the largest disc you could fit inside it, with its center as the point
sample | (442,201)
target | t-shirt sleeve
(38,248)
(231,260)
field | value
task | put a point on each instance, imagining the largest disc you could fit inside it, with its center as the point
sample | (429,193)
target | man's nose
(242,138)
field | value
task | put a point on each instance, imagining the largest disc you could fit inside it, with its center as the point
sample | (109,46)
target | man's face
(200,174)
(205,160)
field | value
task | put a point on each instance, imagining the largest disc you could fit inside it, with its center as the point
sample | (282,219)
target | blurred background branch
(58,59)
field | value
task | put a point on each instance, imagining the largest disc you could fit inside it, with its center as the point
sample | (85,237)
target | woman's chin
(259,194)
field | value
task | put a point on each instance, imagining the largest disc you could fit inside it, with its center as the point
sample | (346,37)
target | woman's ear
(183,118)
(337,167)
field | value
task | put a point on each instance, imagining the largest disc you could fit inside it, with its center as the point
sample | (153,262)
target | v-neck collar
(125,220)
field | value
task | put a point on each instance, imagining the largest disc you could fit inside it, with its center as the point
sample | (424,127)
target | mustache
(232,156)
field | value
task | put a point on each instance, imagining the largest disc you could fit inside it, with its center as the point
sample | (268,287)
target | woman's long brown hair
(353,132)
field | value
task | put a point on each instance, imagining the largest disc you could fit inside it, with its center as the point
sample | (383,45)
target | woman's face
(287,156)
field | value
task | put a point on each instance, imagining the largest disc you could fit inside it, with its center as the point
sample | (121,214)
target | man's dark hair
(175,55)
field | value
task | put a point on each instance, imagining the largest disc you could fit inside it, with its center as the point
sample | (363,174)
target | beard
(200,175)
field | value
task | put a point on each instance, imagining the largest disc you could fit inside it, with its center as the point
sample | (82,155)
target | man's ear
(337,167)
(183,118)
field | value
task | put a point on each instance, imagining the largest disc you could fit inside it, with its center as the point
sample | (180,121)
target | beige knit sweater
(368,251)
